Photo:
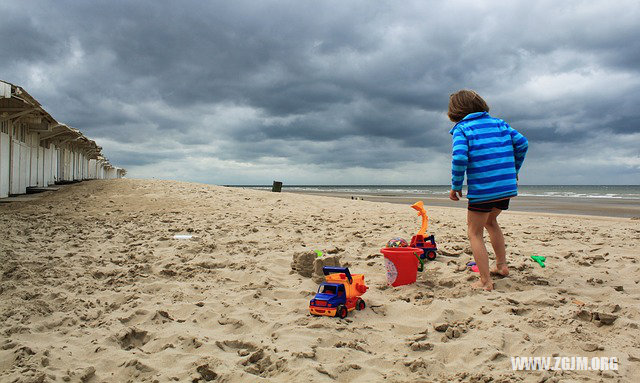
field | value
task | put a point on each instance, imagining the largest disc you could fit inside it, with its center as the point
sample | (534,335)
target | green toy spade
(539,259)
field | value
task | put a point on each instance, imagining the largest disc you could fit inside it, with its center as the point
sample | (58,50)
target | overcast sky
(332,92)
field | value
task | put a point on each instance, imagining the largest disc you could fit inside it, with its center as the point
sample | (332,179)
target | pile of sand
(310,264)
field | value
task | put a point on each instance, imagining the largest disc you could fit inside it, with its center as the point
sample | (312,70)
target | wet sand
(94,287)
(606,207)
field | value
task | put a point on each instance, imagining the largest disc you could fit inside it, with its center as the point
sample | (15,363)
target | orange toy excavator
(419,206)
(427,244)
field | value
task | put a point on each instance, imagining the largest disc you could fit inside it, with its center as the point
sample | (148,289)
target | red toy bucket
(401,264)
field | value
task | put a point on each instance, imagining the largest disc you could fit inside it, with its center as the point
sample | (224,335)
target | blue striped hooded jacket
(491,153)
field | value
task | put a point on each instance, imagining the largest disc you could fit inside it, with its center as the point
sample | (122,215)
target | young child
(491,153)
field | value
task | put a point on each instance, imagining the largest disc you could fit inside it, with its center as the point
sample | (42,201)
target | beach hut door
(4,165)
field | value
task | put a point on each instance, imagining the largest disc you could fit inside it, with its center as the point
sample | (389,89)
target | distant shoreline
(605,207)
(625,192)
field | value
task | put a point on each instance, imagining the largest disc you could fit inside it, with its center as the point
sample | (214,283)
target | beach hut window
(18,132)
(4,127)
(23,133)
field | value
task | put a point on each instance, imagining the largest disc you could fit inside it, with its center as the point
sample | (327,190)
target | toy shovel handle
(419,206)
(421,267)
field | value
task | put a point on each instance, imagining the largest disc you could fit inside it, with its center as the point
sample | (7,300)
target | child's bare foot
(500,269)
(487,286)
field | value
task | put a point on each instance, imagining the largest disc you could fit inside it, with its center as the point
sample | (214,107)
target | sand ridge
(95,289)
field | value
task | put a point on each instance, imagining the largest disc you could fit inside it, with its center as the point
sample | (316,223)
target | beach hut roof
(18,105)
(89,147)
(59,134)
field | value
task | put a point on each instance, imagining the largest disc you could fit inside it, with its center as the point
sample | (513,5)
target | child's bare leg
(497,242)
(475,225)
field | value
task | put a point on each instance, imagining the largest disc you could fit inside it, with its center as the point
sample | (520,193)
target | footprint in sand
(132,338)
(257,361)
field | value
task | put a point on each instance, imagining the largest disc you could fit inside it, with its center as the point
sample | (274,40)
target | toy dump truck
(339,294)
(426,244)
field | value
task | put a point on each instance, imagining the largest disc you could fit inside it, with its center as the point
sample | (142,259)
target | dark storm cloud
(28,41)
(335,84)
(129,158)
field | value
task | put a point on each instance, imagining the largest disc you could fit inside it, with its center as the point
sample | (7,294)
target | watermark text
(564,363)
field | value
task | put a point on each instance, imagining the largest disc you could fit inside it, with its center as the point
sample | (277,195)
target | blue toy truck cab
(333,293)
(330,296)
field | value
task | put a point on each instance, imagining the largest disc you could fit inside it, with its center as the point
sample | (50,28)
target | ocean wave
(595,192)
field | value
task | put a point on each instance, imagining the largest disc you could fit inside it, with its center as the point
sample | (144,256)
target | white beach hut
(37,151)
(22,158)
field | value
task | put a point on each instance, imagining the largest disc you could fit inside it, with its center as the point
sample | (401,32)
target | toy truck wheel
(360,305)
(431,255)
(342,312)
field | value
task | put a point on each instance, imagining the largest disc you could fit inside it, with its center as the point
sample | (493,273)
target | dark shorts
(485,207)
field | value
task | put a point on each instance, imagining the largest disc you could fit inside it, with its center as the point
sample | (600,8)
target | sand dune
(95,288)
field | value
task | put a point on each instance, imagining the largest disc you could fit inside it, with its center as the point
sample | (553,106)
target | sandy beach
(95,288)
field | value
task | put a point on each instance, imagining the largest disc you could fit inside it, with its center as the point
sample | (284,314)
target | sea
(622,192)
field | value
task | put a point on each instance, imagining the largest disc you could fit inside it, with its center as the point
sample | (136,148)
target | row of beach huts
(37,151)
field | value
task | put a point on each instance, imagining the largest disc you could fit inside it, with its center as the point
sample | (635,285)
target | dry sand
(95,289)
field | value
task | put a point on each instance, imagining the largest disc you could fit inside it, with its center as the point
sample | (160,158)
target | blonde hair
(464,102)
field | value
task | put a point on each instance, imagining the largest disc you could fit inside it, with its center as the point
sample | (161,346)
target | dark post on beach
(277,186)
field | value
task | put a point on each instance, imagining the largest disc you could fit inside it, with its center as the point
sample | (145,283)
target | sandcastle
(308,264)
